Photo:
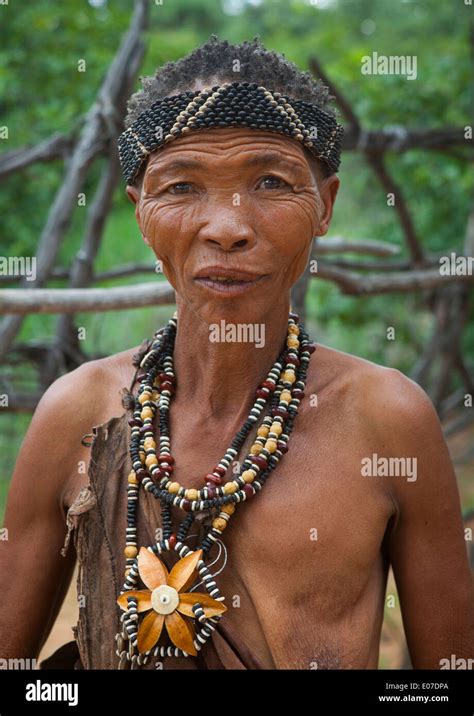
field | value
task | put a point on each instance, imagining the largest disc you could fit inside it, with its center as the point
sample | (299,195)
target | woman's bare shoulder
(337,368)
(378,393)
(90,394)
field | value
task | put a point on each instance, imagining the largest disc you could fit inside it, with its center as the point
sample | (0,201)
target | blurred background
(377,270)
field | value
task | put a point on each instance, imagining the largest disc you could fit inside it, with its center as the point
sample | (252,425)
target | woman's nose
(228,229)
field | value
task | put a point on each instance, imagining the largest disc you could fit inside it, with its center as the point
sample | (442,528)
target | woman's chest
(297,559)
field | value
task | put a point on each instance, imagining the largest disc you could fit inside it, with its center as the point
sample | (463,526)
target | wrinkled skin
(229,210)
(226,213)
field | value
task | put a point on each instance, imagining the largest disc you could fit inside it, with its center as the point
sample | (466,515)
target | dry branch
(57,146)
(339,245)
(22,301)
(355,284)
(400,139)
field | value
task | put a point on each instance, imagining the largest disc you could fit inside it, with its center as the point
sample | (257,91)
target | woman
(230,157)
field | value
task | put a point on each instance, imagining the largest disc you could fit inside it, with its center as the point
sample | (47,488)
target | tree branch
(339,245)
(23,301)
(399,139)
(57,146)
(355,284)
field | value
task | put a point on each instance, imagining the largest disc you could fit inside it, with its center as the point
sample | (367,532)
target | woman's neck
(221,375)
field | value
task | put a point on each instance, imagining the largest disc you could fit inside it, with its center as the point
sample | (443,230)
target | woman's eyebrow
(269,158)
(175,164)
(266,159)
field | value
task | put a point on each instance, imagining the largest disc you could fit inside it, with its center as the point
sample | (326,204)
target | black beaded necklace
(169,600)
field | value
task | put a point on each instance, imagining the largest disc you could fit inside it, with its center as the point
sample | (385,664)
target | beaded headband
(236,104)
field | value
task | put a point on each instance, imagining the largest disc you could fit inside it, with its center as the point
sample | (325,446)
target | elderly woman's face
(235,199)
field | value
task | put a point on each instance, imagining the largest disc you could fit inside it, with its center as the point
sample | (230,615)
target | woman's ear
(328,193)
(134,195)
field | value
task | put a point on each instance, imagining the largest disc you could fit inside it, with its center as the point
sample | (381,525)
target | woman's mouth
(225,285)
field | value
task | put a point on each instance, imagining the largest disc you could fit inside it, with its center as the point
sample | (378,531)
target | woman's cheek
(151,231)
(149,218)
(310,211)
(294,244)
(152,221)
(298,219)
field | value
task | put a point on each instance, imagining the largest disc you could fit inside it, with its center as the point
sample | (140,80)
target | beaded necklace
(177,619)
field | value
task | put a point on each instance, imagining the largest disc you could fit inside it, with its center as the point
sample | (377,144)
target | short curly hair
(218,61)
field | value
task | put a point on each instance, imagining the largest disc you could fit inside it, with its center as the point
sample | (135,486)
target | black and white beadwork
(236,104)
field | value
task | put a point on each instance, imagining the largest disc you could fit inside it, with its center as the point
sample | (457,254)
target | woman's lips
(232,287)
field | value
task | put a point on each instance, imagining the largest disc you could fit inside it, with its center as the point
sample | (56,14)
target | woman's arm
(34,576)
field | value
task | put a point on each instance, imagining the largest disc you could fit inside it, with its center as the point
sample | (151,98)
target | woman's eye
(176,188)
(275,182)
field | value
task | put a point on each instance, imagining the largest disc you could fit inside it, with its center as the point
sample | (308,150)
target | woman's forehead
(227,143)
